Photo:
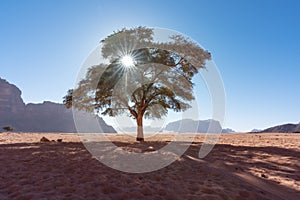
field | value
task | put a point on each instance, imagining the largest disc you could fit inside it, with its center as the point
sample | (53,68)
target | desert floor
(240,166)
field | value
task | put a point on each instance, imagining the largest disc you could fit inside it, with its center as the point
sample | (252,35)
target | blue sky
(255,45)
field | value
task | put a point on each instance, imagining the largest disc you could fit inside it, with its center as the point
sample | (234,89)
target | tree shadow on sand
(68,171)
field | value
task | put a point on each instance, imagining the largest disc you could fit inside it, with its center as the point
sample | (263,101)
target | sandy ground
(241,166)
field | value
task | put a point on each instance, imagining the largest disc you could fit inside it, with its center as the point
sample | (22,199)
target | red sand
(241,166)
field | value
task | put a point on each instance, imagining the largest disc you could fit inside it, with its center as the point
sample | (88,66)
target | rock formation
(192,126)
(43,117)
(10,98)
(228,130)
(285,128)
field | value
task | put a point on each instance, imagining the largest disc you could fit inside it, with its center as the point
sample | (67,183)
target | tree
(143,78)
(8,128)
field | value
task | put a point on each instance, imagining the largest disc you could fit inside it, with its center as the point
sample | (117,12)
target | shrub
(8,128)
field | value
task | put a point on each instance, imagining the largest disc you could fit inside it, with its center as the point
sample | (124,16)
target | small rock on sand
(44,139)
(264,176)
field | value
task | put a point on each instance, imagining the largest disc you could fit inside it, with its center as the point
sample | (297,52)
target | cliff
(43,117)
(10,98)
(192,126)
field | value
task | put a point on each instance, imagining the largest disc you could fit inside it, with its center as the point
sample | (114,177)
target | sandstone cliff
(10,98)
(43,117)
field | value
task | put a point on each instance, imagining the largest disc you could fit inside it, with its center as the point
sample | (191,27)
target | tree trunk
(140,131)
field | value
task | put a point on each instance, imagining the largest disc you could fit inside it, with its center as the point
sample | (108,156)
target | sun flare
(128,61)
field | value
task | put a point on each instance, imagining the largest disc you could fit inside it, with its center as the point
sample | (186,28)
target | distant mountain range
(43,117)
(255,131)
(211,126)
(228,130)
(193,126)
(186,126)
(197,126)
(285,128)
(54,117)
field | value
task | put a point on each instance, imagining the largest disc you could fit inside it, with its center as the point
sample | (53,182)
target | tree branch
(133,112)
(180,61)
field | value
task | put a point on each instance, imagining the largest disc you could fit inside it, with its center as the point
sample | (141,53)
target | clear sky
(254,43)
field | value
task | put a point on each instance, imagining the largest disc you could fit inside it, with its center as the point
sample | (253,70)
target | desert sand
(240,166)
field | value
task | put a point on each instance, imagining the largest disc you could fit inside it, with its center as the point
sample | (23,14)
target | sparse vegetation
(8,128)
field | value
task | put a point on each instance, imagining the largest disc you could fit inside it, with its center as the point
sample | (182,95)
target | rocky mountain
(43,117)
(285,128)
(184,126)
(255,131)
(199,126)
(228,130)
(10,98)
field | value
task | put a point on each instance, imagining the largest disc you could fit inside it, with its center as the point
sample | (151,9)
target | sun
(128,61)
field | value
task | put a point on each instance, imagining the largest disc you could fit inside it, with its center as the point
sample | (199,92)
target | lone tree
(140,77)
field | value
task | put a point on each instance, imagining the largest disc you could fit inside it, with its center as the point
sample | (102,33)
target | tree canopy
(159,77)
